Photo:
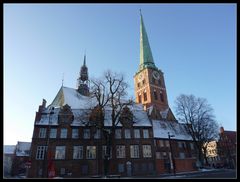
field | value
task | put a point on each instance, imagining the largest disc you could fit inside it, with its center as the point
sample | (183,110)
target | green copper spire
(146,58)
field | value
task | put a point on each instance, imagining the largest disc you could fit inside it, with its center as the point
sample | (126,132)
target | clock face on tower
(140,77)
(156,75)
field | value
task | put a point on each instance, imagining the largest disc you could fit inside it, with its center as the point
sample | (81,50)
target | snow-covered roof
(9,149)
(164,113)
(73,98)
(161,129)
(81,107)
(23,148)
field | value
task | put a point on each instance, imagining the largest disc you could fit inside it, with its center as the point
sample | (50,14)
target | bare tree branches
(200,121)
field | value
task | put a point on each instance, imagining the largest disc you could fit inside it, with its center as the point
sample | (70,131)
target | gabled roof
(73,98)
(23,148)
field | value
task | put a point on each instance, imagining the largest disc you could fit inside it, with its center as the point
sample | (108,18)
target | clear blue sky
(193,44)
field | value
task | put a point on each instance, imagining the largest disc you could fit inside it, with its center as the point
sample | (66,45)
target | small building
(21,157)
(227,148)
(8,154)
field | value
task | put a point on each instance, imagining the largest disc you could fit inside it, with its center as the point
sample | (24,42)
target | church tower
(150,89)
(83,82)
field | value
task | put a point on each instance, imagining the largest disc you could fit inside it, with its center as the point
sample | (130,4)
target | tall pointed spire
(83,81)
(146,58)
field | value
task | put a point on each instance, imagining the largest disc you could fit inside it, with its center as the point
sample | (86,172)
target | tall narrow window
(147,151)
(74,133)
(77,152)
(91,152)
(41,150)
(42,132)
(118,133)
(136,133)
(145,96)
(53,133)
(104,151)
(155,95)
(139,98)
(97,134)
(63,133)
(134,151)
(161,96)
(145,133)
(120,149)
(127,133)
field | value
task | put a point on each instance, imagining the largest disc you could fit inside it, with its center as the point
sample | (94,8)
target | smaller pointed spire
(84,61)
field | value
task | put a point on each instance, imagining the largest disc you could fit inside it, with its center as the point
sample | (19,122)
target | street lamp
(172,157)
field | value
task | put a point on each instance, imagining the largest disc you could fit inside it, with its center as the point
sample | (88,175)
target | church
(155,144)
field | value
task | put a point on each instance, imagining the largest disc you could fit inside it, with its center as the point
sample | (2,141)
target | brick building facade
(154,143)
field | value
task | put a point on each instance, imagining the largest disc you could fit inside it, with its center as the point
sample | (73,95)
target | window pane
(97,134)
(147,151)
(136,133)
(86,133)
(63,133)
(120,168)
(42,132)
(53,133)
(91,152)
(127,133)
(145,133)
(74,133)
(77,152)
(60,152)
(134,151)
(118,133)
(120,149)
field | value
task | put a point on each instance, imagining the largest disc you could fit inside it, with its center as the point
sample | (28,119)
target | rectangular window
(120,149)
(91,152)
(42,132)
(161,144)
(104,151)
(86,133)
(85,169)
(145,96)
(134,151)
(145,133)
(147,151)
(180,144)
(60,152)
(40,172)
(127,133)
(63,133)
(144,167)
(97,134)
(77,152)
(41,150)
(136,167)
(139,98)
(75,133)
(120,168)
(136,133)
(118,133)
(53,133)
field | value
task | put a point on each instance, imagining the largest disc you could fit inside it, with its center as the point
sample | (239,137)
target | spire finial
(140,11)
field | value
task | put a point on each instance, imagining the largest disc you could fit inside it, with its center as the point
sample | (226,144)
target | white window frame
(60,152)
(42,132)
(134,151)
(78,152)
(41,151)
(137,133)
(147,151)
(91,152)
(120,151)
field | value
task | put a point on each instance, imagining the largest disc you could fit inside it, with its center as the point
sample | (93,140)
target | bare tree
(110,93)
(200,122)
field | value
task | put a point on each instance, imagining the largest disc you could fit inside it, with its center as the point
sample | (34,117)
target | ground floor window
(120,168)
